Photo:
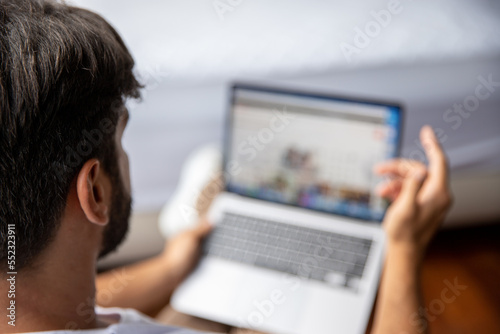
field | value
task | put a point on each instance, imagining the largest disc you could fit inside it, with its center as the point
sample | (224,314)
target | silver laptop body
(297,245)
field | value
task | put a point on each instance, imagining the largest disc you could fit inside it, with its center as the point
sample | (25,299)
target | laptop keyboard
(314,254)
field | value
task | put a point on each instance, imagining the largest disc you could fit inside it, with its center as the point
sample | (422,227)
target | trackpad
(271,301)
(244,296)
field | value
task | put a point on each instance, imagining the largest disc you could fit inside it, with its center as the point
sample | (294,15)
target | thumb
(411,186)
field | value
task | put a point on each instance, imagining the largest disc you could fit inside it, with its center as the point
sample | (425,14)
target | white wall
(429,57)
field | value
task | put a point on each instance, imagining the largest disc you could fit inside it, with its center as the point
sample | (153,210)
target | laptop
(297,245)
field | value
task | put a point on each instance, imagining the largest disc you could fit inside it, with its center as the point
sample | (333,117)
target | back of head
(64,75)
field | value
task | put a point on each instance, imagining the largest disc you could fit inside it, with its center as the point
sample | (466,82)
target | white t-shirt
(128,321)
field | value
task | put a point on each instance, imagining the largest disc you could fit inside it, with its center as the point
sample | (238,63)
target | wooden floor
(469,261)
(469,258)
(472,257)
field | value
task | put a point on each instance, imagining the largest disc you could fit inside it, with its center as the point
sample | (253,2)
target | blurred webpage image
(318,161)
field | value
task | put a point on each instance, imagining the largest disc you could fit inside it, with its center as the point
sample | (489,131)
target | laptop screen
(311,151)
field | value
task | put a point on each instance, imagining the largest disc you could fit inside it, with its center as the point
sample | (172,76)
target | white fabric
(179,212)
(130,322)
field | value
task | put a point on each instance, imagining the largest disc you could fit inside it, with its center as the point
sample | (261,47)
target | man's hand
(421,196)
(181,254)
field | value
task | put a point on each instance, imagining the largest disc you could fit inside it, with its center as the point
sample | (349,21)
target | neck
(58,291)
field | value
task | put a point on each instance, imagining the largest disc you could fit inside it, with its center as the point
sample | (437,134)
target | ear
(93,188)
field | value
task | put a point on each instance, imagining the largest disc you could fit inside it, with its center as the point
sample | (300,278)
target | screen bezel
(229,126)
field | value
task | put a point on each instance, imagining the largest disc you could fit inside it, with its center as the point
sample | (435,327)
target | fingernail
(428,130)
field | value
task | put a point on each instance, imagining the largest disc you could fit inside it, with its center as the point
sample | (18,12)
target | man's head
(64,76)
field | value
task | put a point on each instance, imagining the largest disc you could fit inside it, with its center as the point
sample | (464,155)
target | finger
(398,167)
(203,228)
(389,189)
(411,186)
(435,155)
